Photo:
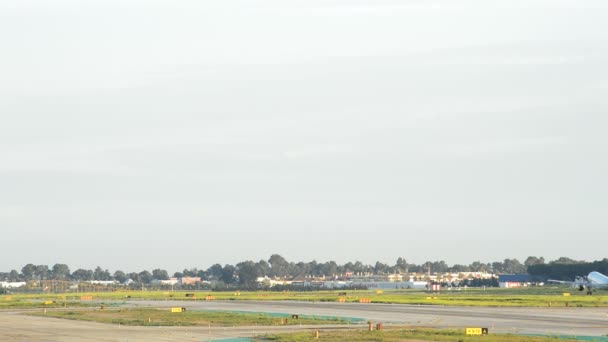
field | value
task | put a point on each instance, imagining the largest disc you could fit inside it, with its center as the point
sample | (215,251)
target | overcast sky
(173,134)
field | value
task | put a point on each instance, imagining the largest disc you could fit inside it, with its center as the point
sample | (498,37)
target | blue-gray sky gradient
(138,134)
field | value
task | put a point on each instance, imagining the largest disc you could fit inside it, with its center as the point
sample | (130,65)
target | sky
(138,134)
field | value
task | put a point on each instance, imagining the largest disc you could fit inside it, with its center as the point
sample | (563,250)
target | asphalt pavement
(15,326)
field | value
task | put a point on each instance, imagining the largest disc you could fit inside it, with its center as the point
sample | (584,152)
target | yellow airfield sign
(476,331)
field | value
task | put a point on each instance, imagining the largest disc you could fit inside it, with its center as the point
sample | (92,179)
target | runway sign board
(178,309)
(476,331)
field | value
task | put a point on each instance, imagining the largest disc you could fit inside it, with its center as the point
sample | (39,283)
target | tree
(294,270)
(215,271)
(532,260)
(439,267)
(381,268)
(565,260)
(134,276)
(568,271)
(28,272)
(228,275)
(82,275)
(301,268)
(160,274)
(513,266)
(202,274)
(248,274)
(478,266)
(459,268)
(263,268)
(101,274)
(120,277)
(498,267)
(279,267)
(60,271)
(42,271)
(358,267)
(401,265)
(329,268)
(14,276)
(313,268)
(190,273)
(145,277)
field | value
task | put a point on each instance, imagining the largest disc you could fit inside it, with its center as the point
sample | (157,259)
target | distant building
(270,282)
(189,280)
(395,277)
(171,281)
(473,275)
(12,284)
(518,280)
(305,281)
(102,282)
(387,285)
(336,284)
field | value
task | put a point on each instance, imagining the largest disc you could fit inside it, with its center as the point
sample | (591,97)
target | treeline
(244,274)
(568,269)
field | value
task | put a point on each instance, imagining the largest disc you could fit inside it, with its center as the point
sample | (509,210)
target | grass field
(394,335)
(164,317)
(526,297)
(41,301)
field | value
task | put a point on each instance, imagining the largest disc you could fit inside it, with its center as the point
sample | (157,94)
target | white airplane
(594,281)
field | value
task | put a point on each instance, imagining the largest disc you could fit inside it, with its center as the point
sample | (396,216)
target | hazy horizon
(204,267)
(139,134)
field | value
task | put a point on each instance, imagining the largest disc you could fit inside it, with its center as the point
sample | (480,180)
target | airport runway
(571,321)
(15,326)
